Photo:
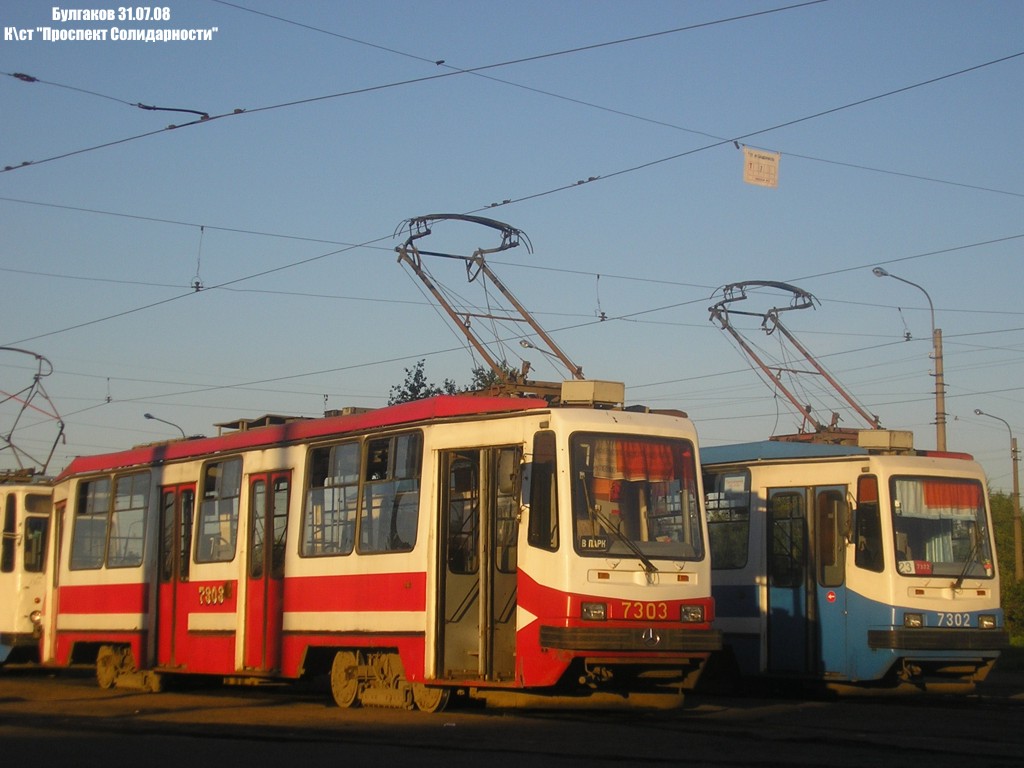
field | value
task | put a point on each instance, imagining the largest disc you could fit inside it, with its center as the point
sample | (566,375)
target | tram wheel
(430,699)
(345,680)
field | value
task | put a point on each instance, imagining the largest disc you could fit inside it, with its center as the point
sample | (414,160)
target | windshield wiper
(970,561)
(628,542)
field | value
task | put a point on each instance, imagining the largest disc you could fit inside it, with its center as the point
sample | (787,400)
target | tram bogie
(841,565)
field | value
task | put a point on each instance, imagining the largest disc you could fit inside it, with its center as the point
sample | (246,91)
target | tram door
(177,505)
(806,586)
(832,520)
(268,524)
(478,558)
(788,604)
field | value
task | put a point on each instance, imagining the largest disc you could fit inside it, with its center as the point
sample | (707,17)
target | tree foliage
(1012,596)
(416,386)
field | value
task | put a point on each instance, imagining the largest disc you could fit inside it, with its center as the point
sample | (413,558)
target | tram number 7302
(643,611)
(953,619)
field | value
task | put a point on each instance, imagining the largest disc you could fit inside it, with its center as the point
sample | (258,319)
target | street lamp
(526,344)
(1018,553)
(940,386)
(164,421)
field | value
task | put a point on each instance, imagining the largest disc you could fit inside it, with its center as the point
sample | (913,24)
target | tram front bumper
(631,639)
(925,639)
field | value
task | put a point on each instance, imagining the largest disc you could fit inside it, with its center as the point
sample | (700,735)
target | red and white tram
(490,546)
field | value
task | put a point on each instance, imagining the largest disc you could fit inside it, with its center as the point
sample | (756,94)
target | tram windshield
(635,496)
(941,528)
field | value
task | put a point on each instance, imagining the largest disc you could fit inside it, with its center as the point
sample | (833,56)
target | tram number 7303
(643,611)
(953,619)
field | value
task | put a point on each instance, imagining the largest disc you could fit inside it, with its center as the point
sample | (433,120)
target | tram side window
(127,520)
(36,530)
(389,507)
(268,521)
(218,512)
(727,500)
(868,526)
(543,519)
(463,546)
(89,538)
(787,515)
(10,535)
(832,512)
(506,510)
(329,523)
(167,534)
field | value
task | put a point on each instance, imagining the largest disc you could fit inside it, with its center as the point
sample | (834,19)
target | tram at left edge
(498,549)
(25,507)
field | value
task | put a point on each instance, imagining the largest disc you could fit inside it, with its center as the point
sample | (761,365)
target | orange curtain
(952,495)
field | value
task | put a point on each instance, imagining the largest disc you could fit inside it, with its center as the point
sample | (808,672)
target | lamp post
(1018,553)
(164,421)
(940,385)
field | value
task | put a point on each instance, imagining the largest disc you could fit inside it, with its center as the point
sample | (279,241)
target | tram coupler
(593,676)
(908,671)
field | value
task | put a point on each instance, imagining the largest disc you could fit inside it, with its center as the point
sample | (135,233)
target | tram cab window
(635,494)
(940,527)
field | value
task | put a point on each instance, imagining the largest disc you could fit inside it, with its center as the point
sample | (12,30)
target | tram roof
(441,407)
(764,450)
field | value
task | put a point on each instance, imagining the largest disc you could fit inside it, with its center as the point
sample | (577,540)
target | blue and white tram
(837,564)
(25,504)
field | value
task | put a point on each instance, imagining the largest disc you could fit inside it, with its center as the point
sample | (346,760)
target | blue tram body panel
(879,639)
(858,639)
(839,564)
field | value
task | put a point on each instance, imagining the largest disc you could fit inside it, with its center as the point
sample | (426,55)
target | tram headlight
(987,621)
(913,620)
(36,617)
(594,611)
(691,614)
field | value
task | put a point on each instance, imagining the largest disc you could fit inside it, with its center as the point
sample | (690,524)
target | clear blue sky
(898,124)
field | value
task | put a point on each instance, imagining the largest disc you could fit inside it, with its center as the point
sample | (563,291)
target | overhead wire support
(477,270)
(26,78)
